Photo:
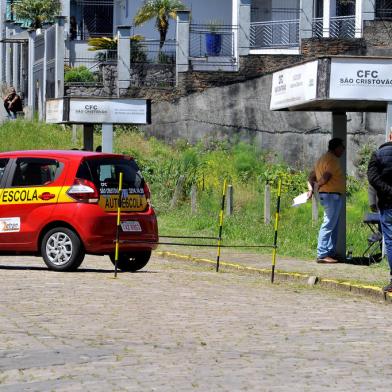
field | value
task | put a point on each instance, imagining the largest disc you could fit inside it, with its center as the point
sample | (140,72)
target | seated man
(13,104)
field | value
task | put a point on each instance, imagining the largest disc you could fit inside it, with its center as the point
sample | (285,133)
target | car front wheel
(62,249)
(131,262)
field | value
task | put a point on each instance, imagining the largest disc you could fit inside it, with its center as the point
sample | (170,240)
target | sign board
(361,79)
(293,86)
(98,111)
(54,111)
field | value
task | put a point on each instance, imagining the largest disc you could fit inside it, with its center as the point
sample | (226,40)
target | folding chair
(374,250)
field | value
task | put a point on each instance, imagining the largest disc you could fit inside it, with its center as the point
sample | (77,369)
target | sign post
(338,85)
(106,111)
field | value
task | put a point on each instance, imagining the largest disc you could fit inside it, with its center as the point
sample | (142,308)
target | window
(36,171)
(3,164)
(106,173)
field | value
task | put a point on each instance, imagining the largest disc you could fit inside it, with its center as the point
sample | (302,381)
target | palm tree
(37,12)
(161,10)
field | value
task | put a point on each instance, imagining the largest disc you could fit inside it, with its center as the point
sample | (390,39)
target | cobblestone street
(177,326)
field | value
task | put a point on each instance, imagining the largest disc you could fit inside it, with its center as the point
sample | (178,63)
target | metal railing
(153,66)
(91,18)
(150,51)
(340,27)
(80,55)
(274,34)
(207,41)
(383,9)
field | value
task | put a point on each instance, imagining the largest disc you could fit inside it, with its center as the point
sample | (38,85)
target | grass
(206,165)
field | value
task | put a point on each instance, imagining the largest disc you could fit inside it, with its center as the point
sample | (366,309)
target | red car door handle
(46,196)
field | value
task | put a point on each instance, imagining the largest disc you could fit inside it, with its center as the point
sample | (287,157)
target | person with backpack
(380,178)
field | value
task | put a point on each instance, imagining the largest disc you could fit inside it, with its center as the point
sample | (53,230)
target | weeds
(206,164)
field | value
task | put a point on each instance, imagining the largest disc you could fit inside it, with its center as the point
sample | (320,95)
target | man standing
(328,177)
(380,178)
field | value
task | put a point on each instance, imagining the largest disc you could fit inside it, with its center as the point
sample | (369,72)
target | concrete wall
(241,111)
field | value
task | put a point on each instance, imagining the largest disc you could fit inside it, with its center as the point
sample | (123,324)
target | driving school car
(63,204)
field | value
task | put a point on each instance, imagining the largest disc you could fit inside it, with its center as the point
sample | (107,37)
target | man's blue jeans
(386,228)
(328,235)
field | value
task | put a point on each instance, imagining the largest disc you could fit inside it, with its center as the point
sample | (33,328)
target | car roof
(78,154)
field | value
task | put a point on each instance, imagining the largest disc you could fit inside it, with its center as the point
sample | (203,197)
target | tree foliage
(161,11)
(37,12)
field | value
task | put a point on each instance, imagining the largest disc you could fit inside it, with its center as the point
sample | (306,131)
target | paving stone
(181,326)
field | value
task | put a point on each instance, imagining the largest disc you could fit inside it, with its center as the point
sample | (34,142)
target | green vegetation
(161,11)
(37,12)
(79,75)
(207,164)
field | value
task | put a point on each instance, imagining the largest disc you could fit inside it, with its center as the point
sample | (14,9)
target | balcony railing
(384,9)
(340,27)
(274,34)
(150,51)
(91,18)
(207,42)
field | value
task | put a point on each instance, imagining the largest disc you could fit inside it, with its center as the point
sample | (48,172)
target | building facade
(247,30)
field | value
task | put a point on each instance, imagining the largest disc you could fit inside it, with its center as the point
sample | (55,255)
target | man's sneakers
(326,260)
(388,289)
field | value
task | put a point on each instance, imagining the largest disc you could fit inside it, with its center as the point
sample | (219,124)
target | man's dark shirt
(380,175)
(16,106)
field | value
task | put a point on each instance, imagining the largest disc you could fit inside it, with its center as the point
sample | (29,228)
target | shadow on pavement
(364,260)
(80,270)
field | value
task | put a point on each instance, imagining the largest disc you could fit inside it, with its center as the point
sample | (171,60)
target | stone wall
(213,105)
(106,88)
(251,66)
(240,111)
(235,105)
(378,33)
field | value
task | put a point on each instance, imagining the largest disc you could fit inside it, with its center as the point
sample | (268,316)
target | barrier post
(118,223)
(267,204)
(221,224)
(276,231)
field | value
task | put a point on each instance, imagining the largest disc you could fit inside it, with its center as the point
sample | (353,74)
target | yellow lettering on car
(131,203)
(30,195)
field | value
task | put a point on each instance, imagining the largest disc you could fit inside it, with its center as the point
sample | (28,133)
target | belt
(331,193)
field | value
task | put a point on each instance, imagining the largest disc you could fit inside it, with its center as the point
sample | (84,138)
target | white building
(247,27)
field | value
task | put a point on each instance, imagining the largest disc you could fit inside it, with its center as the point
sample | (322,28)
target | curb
(346,286)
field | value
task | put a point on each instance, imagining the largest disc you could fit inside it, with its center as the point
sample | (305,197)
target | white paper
(301,199)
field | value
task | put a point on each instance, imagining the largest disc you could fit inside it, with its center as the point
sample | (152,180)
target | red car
(63,204)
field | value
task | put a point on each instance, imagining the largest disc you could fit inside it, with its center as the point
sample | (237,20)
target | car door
(6,224)
(27,200)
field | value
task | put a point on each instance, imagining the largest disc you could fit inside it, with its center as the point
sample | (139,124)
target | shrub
(362,161)
(79,75)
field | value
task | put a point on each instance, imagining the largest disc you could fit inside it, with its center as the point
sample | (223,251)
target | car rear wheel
(62,249)
(131,262)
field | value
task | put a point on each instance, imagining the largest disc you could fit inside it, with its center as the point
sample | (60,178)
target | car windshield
(105,173)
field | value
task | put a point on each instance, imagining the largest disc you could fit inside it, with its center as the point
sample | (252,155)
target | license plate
(131,226)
